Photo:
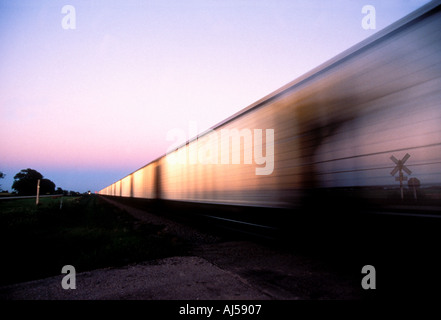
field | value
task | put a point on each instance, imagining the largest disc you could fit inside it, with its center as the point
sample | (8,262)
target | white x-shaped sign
(400,165)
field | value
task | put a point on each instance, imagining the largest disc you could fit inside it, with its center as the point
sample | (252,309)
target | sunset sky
(87,106)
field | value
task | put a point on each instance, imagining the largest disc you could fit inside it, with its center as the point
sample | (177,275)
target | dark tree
(2,175)
(47,187)
(25,183)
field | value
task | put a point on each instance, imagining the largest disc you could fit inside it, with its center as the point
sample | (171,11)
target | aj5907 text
(236,309)
(230,310)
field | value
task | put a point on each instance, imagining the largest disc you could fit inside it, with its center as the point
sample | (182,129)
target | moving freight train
(364,125)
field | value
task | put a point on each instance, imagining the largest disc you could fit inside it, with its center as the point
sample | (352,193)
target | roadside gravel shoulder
(176,278)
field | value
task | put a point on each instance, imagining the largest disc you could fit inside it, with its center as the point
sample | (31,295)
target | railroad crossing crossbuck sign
(400,167)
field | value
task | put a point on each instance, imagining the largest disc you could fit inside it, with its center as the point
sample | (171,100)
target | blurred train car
(339,132)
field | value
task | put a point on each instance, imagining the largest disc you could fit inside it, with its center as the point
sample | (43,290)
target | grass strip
(86,232)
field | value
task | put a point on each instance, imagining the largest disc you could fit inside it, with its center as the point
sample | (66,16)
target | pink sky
(90,105)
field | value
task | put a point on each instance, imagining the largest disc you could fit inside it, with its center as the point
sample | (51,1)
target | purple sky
(87,106)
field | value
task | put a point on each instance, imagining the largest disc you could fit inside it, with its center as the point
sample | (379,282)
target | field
(86,232)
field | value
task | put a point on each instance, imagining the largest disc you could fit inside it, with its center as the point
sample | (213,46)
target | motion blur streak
(335,130)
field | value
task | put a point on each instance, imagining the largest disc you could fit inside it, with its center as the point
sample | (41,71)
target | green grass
(88,233)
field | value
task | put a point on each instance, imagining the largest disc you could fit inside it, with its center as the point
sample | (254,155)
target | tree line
(25,184)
